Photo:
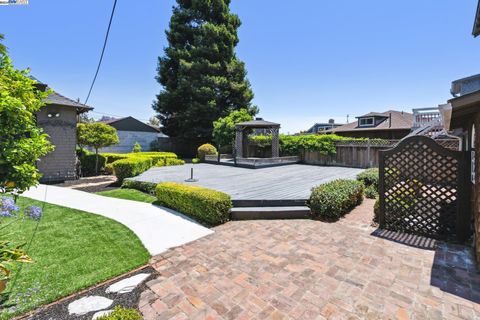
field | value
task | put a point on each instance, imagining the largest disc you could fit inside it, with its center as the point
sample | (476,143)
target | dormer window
(366,122)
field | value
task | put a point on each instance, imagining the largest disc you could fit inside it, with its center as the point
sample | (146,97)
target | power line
(103,51)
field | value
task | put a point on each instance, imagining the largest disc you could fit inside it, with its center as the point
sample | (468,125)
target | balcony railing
(423,117)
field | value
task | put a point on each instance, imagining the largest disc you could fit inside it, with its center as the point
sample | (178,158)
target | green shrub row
(155,156)
(170,162)
(209,206)
(332,200)
(147,187)
(131,167)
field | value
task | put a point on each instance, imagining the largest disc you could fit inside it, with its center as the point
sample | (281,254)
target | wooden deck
(292,182)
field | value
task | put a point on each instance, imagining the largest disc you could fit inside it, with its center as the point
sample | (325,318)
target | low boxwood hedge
(131,167)
(147,187)
(205,205)
(170,162)
(332,200)
(112,157)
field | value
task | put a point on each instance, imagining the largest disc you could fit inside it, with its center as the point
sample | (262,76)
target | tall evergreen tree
(201,76)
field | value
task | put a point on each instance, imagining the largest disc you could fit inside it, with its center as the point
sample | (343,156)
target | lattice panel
(420,189)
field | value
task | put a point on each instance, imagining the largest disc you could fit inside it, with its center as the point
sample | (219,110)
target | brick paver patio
(303,269)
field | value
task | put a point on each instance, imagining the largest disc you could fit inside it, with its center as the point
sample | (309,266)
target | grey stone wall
(128,139)
(59,165)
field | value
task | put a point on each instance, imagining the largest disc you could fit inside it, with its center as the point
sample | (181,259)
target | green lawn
(72,250)
(129,194)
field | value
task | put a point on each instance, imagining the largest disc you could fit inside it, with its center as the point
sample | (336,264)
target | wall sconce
(53,115)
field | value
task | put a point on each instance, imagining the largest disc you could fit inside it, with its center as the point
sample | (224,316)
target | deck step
(254,213)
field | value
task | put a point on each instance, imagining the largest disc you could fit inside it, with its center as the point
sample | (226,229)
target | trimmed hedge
(87,162)
(195,160)
(170,162)
(332,200)
(206,205)
(112,157)
(147,187)
(371,192)
(131,167)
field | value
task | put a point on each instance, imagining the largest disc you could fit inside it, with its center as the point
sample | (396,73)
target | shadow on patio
(453,270)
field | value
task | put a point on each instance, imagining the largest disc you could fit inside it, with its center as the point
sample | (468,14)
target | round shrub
(332,200)
(206,149)
(195,160)
(369,177)
(122,313)
(137,147)
(371,192)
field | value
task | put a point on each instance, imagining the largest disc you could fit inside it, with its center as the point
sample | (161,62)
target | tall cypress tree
(201,76)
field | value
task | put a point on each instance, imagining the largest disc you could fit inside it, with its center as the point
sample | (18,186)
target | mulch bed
(92,184)
(59,309)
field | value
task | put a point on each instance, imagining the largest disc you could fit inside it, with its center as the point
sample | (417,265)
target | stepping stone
(128,284)
(88,304)
(101,314)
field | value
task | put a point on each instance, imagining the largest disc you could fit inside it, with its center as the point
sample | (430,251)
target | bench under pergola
(240,135)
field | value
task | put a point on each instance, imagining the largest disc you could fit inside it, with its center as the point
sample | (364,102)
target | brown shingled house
(383,125)
(58,118)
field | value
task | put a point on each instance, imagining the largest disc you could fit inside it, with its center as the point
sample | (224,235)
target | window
(472,151)
(365,122)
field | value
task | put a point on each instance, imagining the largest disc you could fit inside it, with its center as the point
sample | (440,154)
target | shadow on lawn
(453,270)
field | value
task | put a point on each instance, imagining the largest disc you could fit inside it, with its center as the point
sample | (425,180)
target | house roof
(257,124)
(131,124)
(476,24)
(400,120)
(460,109)
(59,99)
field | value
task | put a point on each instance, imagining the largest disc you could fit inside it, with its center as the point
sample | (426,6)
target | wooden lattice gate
(423,190)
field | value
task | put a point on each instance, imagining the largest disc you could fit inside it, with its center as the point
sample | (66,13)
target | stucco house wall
(128,139)
(59,164)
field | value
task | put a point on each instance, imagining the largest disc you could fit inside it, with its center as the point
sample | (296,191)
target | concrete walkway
(158,228)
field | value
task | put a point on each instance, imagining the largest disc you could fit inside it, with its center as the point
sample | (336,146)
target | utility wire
(103,51)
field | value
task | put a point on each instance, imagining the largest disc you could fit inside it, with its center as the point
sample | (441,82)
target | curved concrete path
(157,227)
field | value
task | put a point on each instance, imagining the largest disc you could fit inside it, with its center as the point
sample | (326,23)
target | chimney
(331,121)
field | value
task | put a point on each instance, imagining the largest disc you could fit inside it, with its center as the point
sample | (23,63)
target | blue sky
(307,60)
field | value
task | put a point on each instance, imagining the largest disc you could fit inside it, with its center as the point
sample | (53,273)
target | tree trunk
(96,161)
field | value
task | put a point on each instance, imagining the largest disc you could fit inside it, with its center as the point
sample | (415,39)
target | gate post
(381,188)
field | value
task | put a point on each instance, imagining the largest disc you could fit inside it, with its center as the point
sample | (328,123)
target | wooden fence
(356,154)
(349,153)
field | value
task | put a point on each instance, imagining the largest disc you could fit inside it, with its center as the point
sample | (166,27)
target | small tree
(22,143)
(224,128)
(96,135)
(137,147)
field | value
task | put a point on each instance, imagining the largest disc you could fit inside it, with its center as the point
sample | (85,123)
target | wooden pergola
(240,135)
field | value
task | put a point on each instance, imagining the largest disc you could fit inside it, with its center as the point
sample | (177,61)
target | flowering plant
(9,252)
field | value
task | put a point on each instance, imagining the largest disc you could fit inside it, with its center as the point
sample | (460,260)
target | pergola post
(275,143)
(238,142)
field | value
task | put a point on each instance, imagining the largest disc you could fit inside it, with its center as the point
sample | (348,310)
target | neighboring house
(466,85)
(384,125)
(59,120)
(320,127)
(131,130)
